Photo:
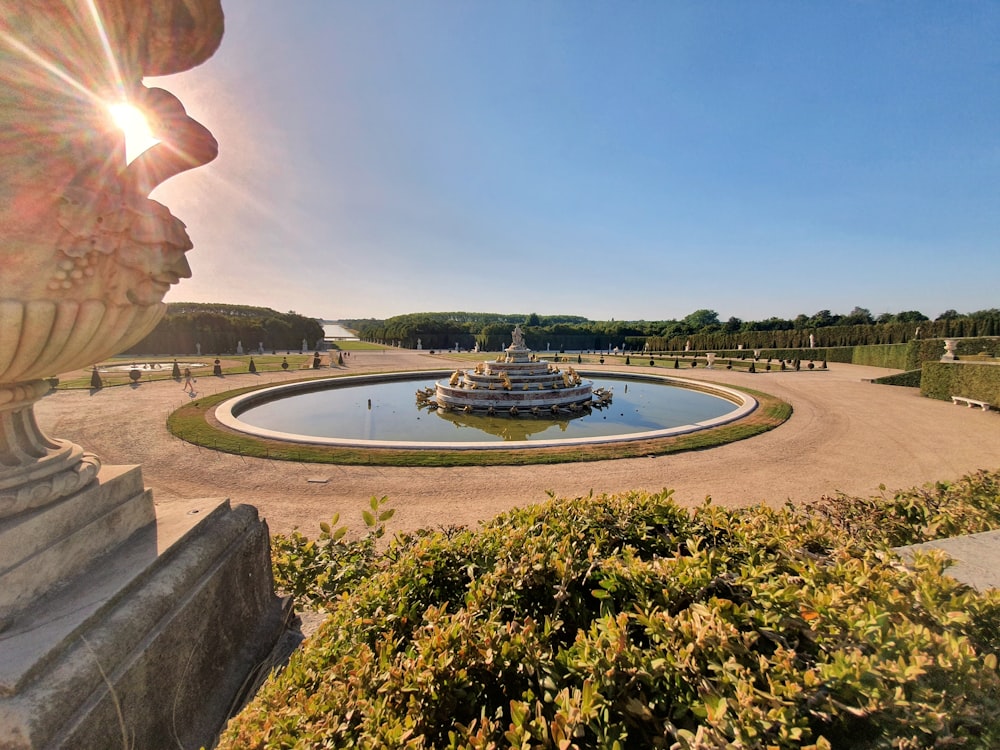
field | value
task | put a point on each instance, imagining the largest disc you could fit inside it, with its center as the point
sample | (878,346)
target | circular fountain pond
(380,411)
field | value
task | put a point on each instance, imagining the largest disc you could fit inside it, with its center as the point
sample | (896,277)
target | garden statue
(85,260)
(517,338)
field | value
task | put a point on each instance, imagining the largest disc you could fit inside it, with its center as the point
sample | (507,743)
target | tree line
(218,329)
(700,330)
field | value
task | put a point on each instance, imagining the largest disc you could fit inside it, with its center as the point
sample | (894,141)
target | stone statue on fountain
(517,338)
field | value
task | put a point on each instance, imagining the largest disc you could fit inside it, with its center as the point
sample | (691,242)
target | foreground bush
(967,506)
(628,622)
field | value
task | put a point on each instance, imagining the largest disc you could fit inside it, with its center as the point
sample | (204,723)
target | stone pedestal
(122,625)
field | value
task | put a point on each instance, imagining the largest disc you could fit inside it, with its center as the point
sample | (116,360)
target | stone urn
(950,345)
(107,603)
(86,255)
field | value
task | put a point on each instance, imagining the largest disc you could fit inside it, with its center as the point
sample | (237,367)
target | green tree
(822,318)
(700,319)
(859,316)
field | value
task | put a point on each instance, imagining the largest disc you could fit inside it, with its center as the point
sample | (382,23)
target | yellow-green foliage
(920,514)
(627,622)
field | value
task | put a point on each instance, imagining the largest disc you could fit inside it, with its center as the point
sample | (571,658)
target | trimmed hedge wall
(931,350)
(908,356)
(789,355)
(892,356)
(910,379)
(943,380)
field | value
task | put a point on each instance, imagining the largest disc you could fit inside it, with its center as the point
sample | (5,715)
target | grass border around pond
(195,423)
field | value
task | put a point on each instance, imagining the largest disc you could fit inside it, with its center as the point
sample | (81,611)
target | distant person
(188,381)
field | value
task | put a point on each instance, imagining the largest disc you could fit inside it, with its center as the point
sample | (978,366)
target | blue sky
(634,160)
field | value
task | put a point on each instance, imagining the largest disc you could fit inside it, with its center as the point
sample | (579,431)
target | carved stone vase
(106,604)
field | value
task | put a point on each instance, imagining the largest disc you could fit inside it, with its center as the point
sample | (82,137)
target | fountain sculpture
(516,383)
(121,624)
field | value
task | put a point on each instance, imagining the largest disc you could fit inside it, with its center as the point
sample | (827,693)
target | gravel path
(845,435)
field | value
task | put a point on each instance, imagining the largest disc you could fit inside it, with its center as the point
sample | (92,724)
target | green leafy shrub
(966,506)
(316,571)
(627,622)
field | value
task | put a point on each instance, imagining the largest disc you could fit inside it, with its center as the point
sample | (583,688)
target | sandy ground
(845,435)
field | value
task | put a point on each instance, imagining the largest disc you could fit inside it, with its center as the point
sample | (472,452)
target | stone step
(976,556)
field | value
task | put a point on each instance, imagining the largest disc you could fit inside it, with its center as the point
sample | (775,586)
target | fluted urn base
(35,470)
(40,338)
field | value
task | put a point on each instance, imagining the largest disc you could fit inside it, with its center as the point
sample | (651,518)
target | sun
(132,123)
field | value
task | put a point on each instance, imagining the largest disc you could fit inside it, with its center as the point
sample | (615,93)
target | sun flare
(132,123)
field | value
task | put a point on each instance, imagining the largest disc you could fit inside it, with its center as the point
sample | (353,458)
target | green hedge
(805,355)
(931,350)
(946,379)
(892,356)
(908,356)
(628,622)
(909,379)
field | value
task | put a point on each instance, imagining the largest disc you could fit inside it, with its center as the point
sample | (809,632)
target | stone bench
(970,402)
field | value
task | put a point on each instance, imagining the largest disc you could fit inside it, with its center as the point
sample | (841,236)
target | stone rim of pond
(227,414)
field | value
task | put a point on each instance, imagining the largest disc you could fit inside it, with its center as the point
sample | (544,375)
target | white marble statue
(517,338)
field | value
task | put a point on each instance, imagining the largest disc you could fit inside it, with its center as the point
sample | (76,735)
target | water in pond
(388,411)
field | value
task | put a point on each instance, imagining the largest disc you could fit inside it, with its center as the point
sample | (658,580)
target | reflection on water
(509,428)
(388,411)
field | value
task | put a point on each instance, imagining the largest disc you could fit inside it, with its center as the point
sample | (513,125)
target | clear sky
(636,160)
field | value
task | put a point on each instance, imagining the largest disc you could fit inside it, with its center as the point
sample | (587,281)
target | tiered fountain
(516,383)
